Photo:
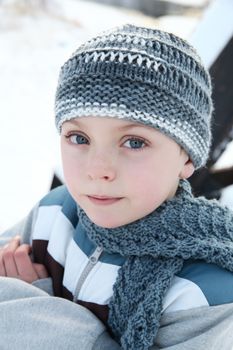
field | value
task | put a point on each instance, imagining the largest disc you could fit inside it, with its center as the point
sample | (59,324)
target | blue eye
(135,143)
(78,139)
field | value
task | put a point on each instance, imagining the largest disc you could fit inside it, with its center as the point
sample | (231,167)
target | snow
(34,44)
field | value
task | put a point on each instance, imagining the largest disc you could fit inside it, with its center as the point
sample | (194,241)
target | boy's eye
(135,143)
(78,139)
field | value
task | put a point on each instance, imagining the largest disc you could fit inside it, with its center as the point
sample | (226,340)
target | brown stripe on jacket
(56,272)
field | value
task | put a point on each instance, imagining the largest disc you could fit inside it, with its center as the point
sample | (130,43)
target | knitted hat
(143,75)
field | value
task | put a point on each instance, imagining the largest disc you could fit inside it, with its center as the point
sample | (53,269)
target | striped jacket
(82,272)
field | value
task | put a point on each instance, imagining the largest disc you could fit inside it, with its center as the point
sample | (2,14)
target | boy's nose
(101,167)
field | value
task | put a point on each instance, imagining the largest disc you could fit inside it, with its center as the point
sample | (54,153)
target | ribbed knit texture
(156,246)
(144,75)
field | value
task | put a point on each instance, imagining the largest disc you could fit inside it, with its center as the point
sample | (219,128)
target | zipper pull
(92,260)
(95,256)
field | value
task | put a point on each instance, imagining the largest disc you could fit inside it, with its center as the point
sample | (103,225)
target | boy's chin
(107,222)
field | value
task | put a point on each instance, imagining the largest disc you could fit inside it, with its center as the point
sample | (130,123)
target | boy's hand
(16,262)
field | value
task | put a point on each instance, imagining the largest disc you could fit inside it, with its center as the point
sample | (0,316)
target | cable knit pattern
(144,75)
(156,246)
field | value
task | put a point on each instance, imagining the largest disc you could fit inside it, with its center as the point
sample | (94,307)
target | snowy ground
(34,44)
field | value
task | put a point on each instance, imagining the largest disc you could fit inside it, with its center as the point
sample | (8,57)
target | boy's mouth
(103,200)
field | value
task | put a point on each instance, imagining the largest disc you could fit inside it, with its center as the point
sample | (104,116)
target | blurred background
(37,36)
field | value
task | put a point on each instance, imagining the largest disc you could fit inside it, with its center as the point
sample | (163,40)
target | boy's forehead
(121,124)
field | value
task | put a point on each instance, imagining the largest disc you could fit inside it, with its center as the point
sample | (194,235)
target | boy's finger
(12,244)
(41,270)
(8,257)
(24,264)
(9,263)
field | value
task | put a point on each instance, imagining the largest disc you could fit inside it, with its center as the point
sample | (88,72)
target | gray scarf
(156,247)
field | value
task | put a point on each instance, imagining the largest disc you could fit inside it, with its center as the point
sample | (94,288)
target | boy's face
(119,171)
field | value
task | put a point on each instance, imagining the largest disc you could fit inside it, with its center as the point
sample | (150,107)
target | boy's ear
(188,170)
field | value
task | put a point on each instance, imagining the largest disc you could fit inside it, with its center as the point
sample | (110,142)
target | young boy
(125,238)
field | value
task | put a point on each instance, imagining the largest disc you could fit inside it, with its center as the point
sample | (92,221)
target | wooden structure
(214,41)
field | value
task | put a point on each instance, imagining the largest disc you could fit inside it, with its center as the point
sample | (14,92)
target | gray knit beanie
(144,75)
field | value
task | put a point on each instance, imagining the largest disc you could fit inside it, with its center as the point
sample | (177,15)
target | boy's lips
(103,200)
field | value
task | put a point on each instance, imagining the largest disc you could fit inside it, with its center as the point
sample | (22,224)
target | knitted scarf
(156,247)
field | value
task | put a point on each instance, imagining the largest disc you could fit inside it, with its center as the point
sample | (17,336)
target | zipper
(92,261)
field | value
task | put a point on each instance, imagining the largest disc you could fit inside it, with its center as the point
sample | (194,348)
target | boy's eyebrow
(131,125)
(136,125)
(73,121)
